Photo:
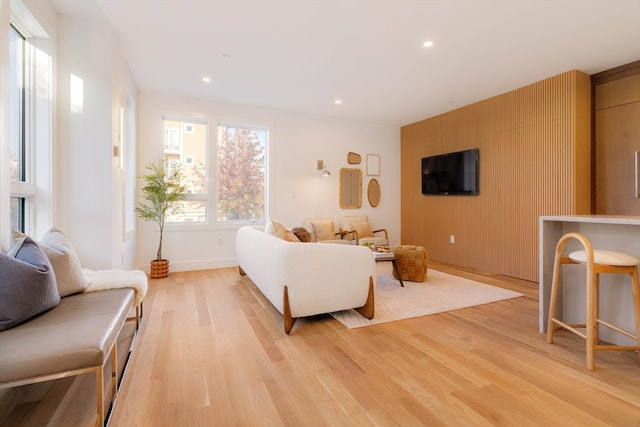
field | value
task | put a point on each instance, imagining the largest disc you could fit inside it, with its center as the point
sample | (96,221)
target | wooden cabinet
(616,140)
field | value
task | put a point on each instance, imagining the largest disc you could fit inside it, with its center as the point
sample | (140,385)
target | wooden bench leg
(99,392)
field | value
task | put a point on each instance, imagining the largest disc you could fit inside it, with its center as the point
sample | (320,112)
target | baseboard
(196,265)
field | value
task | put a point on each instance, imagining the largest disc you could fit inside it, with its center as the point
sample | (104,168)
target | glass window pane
(185,146)
(16,110)
(241,173)
(17,213)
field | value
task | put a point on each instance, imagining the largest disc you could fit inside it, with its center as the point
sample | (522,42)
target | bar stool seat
(597,262)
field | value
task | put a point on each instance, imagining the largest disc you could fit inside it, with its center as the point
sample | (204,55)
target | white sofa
(305,279)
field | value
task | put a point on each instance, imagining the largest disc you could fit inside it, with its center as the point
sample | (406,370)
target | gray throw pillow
(27,284)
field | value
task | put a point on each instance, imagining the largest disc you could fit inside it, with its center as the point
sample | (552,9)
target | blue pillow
(27,284)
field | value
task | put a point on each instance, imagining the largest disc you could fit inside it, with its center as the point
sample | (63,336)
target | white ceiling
(300,55)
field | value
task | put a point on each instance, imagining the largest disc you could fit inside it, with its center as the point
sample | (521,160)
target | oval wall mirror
(373,192)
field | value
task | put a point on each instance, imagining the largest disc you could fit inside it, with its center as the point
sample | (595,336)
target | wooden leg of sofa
(367,309)
(288,319)
(241,271)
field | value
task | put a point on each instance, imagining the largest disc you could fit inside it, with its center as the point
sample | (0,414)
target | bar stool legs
(597,262)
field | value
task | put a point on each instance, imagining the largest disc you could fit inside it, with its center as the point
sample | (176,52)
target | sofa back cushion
(348,221)
(363,229)
(27,284)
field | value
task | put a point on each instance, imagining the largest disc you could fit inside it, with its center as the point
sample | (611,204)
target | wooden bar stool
(597,262)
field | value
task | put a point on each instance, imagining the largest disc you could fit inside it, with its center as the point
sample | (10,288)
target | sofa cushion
(77,334)
(65,262)
(363,229)
(323,229)
(27,283)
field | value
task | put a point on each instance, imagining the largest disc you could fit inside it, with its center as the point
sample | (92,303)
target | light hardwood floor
(211,352)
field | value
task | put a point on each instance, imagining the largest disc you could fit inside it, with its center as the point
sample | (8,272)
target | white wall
(298,190)
(89,189)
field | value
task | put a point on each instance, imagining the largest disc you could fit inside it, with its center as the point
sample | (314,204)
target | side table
(390,256)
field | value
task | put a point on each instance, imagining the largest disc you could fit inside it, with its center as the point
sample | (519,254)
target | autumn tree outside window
(242,173)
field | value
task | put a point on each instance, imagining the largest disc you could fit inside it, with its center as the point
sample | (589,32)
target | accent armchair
(322,231)
(358,226)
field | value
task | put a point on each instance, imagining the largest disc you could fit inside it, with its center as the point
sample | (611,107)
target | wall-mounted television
(451,173)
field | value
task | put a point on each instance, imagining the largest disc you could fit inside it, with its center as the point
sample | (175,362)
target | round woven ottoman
(412,264)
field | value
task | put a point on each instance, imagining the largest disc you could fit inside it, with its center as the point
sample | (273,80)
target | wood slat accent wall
(535,159)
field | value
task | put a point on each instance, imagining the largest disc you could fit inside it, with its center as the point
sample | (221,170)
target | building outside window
(185,146)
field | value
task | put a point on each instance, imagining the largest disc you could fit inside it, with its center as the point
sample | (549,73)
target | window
(20,154)
(29,122)
(172,139)
(242,173)
(178,145)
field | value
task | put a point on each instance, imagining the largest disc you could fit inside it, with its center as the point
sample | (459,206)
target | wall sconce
(321,166)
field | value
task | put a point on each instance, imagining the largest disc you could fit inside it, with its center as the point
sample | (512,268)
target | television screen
(451,173)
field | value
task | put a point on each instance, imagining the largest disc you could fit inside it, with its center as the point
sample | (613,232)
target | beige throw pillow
(274,228)
(289,236)
(363,229)
(323,229)
(65,262)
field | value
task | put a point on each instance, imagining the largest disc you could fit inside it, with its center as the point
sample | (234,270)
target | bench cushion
(76,334)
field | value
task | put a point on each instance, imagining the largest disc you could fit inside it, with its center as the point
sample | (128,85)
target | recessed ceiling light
(206,79)
(428,43)
(338,101)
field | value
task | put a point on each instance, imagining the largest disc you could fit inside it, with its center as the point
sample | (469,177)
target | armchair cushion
(363,229)
(323,229)
(349,220)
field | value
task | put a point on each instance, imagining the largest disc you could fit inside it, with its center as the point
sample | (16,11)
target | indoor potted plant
(163,191)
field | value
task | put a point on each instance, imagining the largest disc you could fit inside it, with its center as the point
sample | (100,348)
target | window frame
(24,188)
(38,119)
(212,167)
(197,197)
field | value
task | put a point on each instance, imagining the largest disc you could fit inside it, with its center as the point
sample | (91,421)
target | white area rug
(440,292)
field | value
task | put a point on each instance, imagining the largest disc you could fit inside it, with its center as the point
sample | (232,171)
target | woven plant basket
(159,269)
